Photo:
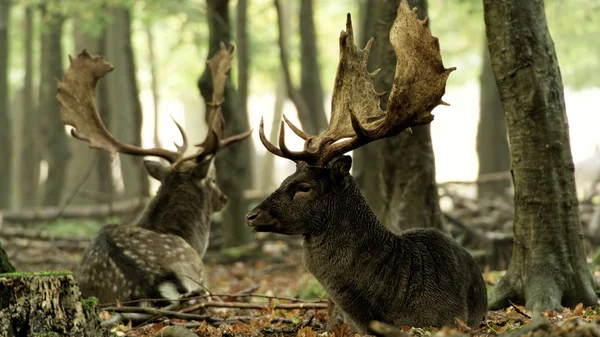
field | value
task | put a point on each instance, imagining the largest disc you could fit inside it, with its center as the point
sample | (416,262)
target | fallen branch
(158,312)
(118,208)
(256,306)
(10,233)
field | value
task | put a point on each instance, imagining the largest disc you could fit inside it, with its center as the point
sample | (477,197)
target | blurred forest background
(50,183)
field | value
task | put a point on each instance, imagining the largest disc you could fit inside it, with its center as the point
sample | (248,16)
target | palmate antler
(77,99)
(419,84)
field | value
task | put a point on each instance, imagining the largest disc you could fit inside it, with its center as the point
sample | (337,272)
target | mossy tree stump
(45,304)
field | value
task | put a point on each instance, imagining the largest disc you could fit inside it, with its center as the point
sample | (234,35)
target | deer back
(130,263)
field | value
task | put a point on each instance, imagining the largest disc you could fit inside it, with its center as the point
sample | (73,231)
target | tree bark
(311,87)
(5,124)
(548,267)
(154,82)
(234,174)
(125,107)
(5,265)
(268,161)
(57,151)
(30,159)
(492,142)
(367,159)
(409,196)
(45,304)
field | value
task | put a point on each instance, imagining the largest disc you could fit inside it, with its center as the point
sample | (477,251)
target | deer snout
(261,220)
(224,199)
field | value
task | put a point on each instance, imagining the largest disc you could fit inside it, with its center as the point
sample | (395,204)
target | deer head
(160,256)
(322,178)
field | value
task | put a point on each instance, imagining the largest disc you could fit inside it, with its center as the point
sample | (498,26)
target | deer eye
(304,188)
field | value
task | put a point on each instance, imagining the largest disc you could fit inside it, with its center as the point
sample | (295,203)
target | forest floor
(279,278)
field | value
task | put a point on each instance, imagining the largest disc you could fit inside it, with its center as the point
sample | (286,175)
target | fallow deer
(160,255)
(420,277)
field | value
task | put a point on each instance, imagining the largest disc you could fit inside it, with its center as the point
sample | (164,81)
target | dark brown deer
(160,255)
(421,277)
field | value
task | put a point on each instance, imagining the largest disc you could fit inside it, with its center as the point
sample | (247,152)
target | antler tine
(77,99)
(296,130)
(184,143)
(266,143)
(234,139)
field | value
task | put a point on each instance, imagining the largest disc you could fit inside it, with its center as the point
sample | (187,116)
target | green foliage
(77,227)
(312,290)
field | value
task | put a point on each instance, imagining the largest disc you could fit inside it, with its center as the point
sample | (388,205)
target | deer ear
(156,169)
(341,164)
(340,170)
(203,167)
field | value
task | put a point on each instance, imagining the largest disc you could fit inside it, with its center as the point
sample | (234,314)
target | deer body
(421,277)
(417,278)
(159,257)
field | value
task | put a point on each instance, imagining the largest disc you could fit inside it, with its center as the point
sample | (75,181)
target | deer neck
(183,213)
(351,228)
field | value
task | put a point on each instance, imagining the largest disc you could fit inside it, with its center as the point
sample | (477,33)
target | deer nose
(252,216)
(224,198)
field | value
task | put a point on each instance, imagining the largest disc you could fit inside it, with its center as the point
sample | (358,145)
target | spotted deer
(159,256)
(420,277)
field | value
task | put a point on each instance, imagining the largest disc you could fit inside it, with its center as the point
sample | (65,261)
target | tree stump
(45,304)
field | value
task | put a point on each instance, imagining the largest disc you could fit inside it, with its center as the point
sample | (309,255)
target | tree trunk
(409,196)
(125,107)
(311,88)
(45,304)
(548,266)
(492,143)
(154,82)
(99,182)
(30,159)
(57,150)
(5,265)
(268,162)
(5,125)
(234,174)
(367,159)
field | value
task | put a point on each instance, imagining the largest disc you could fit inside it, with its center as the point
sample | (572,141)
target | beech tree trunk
(409,196)
(548,266)
(125,107)
(57,150)
(45,304)
(492,141)
(30,159)
(5,125)
(234,173)
(154,82)
(367,159)
(311,88)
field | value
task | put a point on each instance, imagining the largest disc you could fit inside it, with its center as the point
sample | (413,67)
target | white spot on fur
(169,291)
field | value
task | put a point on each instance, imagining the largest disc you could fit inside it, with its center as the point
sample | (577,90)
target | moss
(33,274)
(90,303)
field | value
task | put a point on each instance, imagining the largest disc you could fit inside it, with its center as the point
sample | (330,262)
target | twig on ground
(518,310)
